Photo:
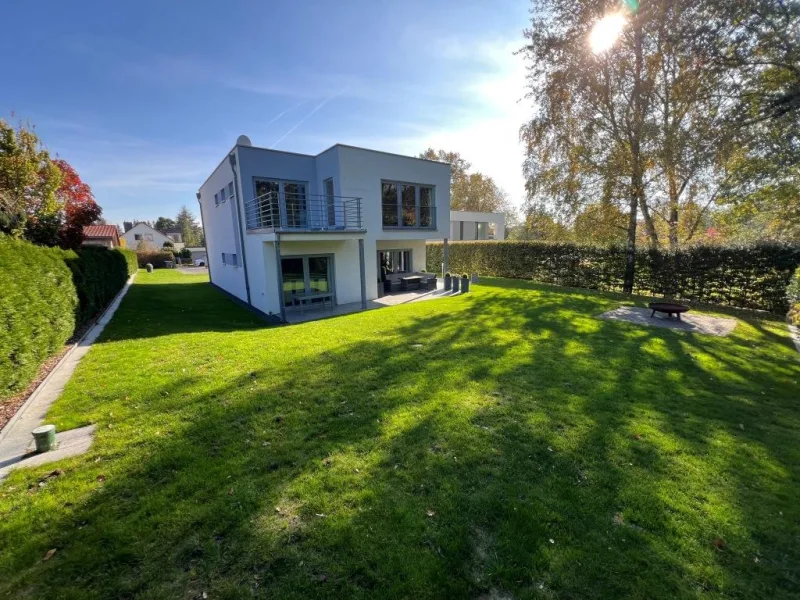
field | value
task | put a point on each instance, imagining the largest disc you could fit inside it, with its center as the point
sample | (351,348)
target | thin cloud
(290,109)
(309,115)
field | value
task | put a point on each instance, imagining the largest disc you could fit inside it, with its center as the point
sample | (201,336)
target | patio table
(411,282)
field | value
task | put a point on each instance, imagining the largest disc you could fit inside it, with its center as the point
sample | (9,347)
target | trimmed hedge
(752,277)
(45,295)
(157,258)
(98,275)
(37,309)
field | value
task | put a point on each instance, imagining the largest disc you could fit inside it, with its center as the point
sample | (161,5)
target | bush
(157,259)
(742,276)
(45,295)
(131,260)
(37,309)
(98,275)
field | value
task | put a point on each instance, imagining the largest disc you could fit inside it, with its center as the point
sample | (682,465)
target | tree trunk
(673,212)
(630,246)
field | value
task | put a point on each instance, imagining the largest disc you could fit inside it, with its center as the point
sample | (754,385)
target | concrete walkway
(16,441)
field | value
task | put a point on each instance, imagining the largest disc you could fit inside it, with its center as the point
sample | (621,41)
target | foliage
(185,253)
(164,224)
(37,309)
(752,277)
(168,244)
(131,260)
(98,275)
(470,191)
(435,458)
(191,232)
(80,208)
(29,181)
(696,105)
(157,258)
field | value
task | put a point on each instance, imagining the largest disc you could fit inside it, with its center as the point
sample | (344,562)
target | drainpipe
(205,239)
(232,160)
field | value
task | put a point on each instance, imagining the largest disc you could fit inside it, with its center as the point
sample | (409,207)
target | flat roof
(439,162)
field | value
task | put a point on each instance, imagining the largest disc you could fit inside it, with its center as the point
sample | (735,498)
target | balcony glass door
(294,197)
(305,276)
(268,210)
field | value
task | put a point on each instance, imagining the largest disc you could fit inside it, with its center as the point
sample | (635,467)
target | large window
(391,262)
(407,205)
(481,229)
(286,199)
(389,198)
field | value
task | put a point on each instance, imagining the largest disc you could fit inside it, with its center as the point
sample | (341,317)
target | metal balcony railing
(303,212)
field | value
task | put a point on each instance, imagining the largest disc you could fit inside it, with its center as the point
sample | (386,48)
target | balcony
(283,212)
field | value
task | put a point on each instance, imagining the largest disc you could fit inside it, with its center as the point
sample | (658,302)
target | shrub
(45,295)
(131,260)
(742,276)
(157,259)
(37,309)
(168,244)
(185,253)
(98,275)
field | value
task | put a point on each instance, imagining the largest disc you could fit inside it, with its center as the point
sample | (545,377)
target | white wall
(469,219)
(144,230)
(362,172)
(221,233)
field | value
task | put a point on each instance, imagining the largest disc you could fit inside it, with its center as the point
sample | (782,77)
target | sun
(606,32)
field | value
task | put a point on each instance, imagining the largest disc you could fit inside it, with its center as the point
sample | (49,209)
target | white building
(142,235)
(465,225)
(284,229)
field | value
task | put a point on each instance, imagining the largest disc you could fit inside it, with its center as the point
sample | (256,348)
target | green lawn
(503,444)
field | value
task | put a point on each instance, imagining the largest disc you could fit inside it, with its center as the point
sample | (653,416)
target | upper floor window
(407,204)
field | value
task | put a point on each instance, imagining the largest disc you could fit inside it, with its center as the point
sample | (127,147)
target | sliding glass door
(306,276)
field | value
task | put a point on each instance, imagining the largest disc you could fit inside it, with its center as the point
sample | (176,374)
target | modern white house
(284,229)
(145,235)
(465,225)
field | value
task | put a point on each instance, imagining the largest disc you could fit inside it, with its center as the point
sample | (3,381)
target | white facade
(142,233)
(465,225)
(279,224)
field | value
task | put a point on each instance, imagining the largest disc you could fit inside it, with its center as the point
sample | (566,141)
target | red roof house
(101,235)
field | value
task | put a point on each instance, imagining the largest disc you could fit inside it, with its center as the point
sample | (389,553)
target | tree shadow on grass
(436,460)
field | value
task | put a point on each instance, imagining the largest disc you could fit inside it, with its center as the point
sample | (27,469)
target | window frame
(399,200)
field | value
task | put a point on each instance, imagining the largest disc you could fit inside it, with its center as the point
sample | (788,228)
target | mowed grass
(502,444)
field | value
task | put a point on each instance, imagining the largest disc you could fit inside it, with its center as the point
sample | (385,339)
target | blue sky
(144,98)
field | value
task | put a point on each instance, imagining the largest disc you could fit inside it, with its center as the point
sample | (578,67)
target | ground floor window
(394,261)
(306,276)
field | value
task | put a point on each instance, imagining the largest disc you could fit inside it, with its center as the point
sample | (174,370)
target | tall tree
(164,224)
(470,191)
(28,182)
(190,230)
(80,208)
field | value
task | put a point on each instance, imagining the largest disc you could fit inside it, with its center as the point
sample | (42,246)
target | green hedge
(37,309)
(742,276)
(157,259)
(98,275)
(45,295)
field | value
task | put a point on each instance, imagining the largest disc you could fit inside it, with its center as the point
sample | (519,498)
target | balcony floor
(312,314)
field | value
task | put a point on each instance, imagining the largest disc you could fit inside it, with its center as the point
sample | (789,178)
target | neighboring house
(198,253)
(101,235)
(175,234)
(465,225)
(280,226)
(142,235)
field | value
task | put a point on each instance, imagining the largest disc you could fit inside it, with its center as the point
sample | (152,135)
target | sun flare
(606,32)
